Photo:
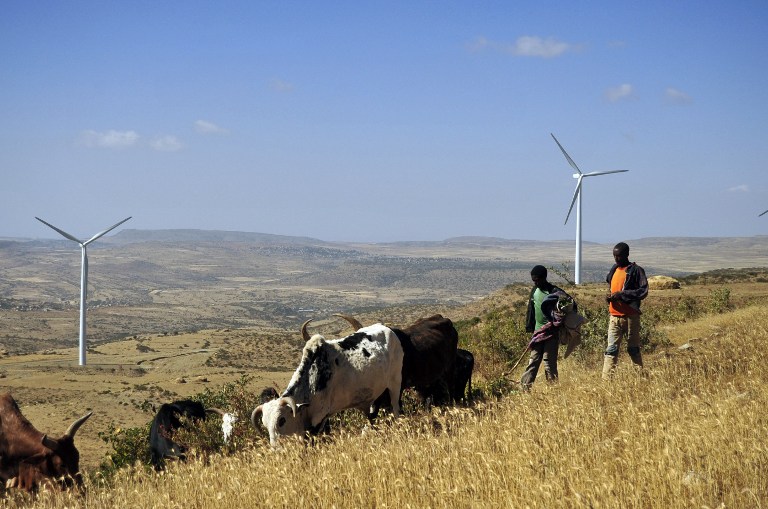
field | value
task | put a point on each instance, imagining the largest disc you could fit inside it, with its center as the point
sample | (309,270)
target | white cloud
(166,144)
(742,188)
(675,96)
(205,127)
(279,85)
(525,46)
(109,139)
(478,44)
(529,46)
(623,91)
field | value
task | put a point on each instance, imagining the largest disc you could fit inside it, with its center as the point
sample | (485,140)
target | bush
(131,445)
(499,333)
(719,300)
(235,398)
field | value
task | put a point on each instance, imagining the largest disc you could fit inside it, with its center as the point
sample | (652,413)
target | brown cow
(29,457)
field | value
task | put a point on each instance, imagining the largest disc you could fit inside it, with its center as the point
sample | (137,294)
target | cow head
(58,462)
(280,417)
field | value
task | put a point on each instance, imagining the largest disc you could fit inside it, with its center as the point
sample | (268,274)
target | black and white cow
(332,376)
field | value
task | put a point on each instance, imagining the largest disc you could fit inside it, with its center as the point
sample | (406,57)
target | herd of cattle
(367,370)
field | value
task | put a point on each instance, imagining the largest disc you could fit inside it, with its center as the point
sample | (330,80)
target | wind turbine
(83,275)
(577,195)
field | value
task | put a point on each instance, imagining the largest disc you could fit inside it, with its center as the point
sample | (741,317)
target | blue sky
(382,121)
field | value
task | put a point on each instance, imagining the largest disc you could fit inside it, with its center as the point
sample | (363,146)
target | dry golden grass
(692,431)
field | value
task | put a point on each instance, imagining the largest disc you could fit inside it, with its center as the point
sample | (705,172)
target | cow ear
(49,443)
(256,415)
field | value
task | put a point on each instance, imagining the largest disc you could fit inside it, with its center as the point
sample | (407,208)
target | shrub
(131,445)
(235,398)
(719,300)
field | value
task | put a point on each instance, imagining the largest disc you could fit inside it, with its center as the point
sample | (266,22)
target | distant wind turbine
(577,196)
(83,275)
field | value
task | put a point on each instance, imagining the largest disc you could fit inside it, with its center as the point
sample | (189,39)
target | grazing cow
(335,375)
(165,423)
(459,387)
(462,375)
(429,348)
(429,356)
(29,457)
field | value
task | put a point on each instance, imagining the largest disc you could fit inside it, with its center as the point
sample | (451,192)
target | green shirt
(538,298)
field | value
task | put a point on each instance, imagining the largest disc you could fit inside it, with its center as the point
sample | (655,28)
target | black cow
(462,375)
(429,358)
(459,387)
(166,422)
(268,394)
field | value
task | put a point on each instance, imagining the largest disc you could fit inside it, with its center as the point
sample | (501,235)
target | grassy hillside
(691,431)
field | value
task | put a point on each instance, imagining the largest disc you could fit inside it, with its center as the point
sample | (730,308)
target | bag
(570,331)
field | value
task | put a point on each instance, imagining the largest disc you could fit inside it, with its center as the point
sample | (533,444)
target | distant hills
(675,255)
(130,236)
(143,281)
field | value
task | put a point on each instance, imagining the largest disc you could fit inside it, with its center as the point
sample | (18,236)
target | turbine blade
(62,232)
(105,231)
(570,161)
(575,195)
(593,173)
(763,213)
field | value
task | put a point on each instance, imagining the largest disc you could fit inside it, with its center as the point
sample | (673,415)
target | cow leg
(394,396)
(469,397)
(322,428)
(379,403)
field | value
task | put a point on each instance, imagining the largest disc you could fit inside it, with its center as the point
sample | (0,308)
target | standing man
(628,286)
(540,319)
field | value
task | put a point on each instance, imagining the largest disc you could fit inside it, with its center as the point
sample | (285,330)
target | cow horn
(256,414)
(289,401)
(304,332)
(354,323)
(214,410)
(76,425)
(50,443)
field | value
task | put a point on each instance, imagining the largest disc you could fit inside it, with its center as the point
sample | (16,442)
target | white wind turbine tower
(577,196)
(83,275)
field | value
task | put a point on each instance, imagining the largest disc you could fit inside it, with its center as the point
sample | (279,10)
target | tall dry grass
(692,431)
